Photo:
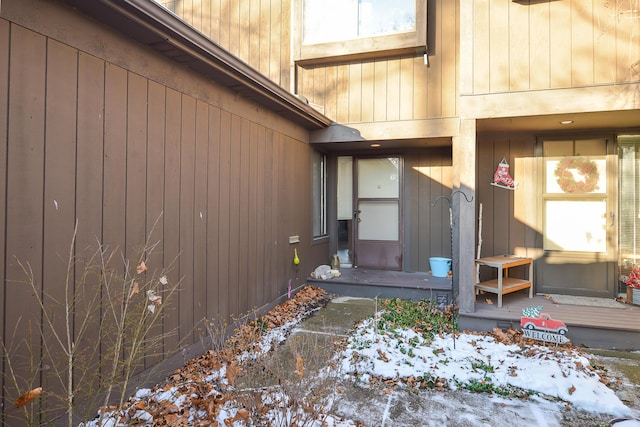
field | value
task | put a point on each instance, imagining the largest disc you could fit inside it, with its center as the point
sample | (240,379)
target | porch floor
(592,326)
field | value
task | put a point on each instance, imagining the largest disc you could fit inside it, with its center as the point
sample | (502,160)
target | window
(329,29)
(319,194)
(352,19)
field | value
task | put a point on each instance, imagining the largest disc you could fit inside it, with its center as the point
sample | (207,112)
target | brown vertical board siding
(628,45)
(517,228)
(380,90)
(59,206)
(539,46)
(260,213)
(252,30)
(252,208)
(234,216)
(499,51)
(136,174)
(435,71)
(393,89)
(368,93)
(355,92)
(201,216)
(115,137)
(279,273)
(136,167)
(244,262)
(485,196)
(277,62)
(420,89)
(214,20)
(530,190)
(270,169)
(582,43)
(449,85)
(481,46)
(604,43)
(560,43)
(329,90)
(187,166)
(519,45)
(284,52)
(88,197)
(155,197)
(342,93)
(24,198)
(4,118)
(171,215)
(205,20)
(502,212)
(225,215)
(244,31)
(225,25)
(407,84)
(235,20)
(213,215)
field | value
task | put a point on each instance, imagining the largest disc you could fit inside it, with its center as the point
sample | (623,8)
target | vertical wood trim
(225,214)
(264,36)
(253,32)
(277,61)
(245,26)
(330,90)
(420,89)
(284,52)
(25,187)
(155,196)
(214,183)
(604,43)
(171,216)
(187,185)
(517,227)
(380,91)
(200,215)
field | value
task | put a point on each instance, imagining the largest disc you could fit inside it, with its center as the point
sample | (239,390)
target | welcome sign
(542,327)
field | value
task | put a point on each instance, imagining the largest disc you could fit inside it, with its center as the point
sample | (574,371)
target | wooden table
(504,284)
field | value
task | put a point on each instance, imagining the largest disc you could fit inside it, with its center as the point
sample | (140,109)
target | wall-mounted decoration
(577,175)
(540,326)
(502,178)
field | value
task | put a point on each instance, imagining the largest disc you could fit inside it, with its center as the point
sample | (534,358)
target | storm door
(377,214)
(577,218)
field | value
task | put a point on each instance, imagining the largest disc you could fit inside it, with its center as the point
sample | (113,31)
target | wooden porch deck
(591,326)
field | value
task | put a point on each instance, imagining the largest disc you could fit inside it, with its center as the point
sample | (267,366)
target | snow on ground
(440,368)
(480,360)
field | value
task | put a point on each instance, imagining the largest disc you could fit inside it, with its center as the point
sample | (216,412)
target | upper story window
(352,19)
(326,30)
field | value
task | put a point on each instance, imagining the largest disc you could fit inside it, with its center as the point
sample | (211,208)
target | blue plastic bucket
(440,266)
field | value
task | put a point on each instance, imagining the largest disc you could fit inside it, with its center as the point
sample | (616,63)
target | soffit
(149,23)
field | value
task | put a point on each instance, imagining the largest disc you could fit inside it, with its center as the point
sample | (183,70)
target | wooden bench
(504,284)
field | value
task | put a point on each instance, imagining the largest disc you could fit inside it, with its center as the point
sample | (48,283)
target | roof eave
(151,24)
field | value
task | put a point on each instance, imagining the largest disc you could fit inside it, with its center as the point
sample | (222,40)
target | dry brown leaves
(200,397)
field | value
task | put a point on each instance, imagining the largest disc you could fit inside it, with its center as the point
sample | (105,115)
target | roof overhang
(151,24)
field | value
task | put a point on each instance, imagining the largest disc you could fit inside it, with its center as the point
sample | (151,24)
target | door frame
(553,269)
(392,250)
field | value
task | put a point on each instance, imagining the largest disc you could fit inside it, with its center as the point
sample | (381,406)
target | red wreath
(567,181)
